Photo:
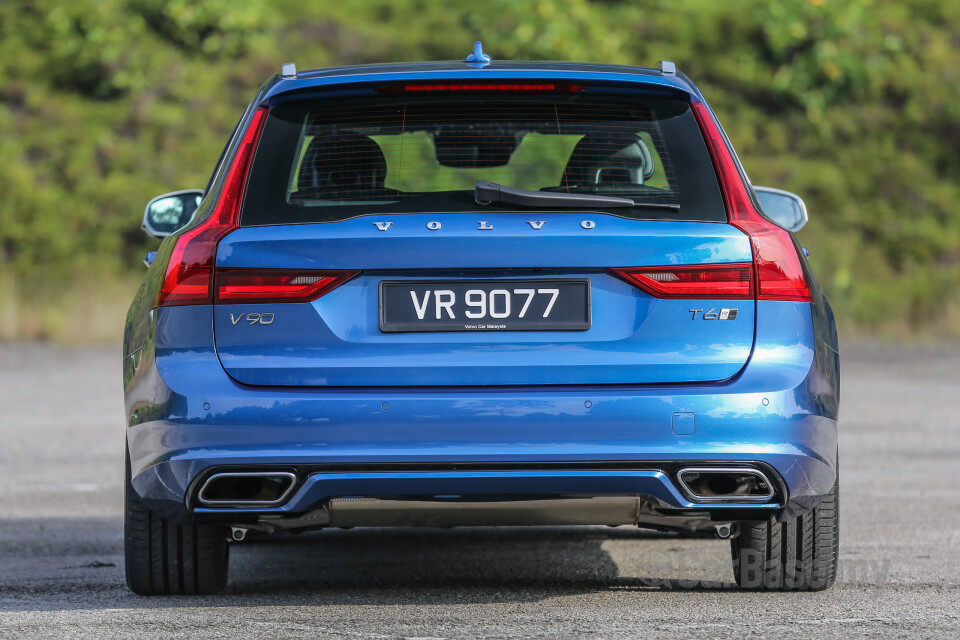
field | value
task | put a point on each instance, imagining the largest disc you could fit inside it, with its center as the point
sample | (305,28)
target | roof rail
(289,70)
(667,68)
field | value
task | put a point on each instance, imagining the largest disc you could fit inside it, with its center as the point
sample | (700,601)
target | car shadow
(512,561)
(78,564)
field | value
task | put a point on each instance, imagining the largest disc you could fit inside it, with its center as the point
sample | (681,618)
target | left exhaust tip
(247,489)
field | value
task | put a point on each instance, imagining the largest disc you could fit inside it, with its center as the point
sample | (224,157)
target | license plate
(485,305)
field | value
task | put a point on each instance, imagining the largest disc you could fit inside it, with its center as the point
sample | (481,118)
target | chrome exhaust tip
(725,484)
(247,489)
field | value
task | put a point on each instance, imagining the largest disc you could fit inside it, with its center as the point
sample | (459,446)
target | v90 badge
(252,318)
(724,314)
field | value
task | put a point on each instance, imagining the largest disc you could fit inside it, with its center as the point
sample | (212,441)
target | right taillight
(727,281)
(779,274)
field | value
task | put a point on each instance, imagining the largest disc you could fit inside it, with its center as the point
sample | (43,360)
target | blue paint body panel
(336,340)
(329,394)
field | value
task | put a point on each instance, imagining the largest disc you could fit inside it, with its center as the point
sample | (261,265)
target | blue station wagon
(479,293)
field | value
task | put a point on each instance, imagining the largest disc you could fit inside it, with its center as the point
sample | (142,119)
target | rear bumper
(474,484)
(187,418)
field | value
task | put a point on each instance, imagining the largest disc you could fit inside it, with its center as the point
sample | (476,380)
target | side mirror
(167,213)
(783,207)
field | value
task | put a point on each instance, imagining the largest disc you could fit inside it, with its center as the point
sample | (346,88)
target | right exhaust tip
(726,484)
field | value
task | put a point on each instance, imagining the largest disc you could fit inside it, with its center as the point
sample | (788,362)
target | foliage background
(855,105)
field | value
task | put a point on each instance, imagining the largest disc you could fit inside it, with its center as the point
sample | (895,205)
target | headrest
(347,162)
(608,157)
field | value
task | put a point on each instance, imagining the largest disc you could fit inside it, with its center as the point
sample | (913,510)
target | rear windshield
(330,160)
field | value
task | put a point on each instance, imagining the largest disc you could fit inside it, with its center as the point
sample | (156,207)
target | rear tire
(796,555)
(166,558)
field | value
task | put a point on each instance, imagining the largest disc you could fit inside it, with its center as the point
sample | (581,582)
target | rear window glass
(325,161)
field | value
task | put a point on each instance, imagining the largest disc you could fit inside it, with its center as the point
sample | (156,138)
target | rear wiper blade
(487,192)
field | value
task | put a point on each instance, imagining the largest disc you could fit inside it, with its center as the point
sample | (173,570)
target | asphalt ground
(61,564)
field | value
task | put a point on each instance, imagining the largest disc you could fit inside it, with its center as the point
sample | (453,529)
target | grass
(90,311)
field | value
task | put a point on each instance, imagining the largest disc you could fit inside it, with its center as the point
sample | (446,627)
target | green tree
(853,105)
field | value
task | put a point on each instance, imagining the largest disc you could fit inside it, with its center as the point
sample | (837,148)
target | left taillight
(276,285)
(188,278)
(724,281)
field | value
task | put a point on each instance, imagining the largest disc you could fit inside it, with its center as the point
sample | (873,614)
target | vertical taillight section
(727,281)
(188,278)
(779,274)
